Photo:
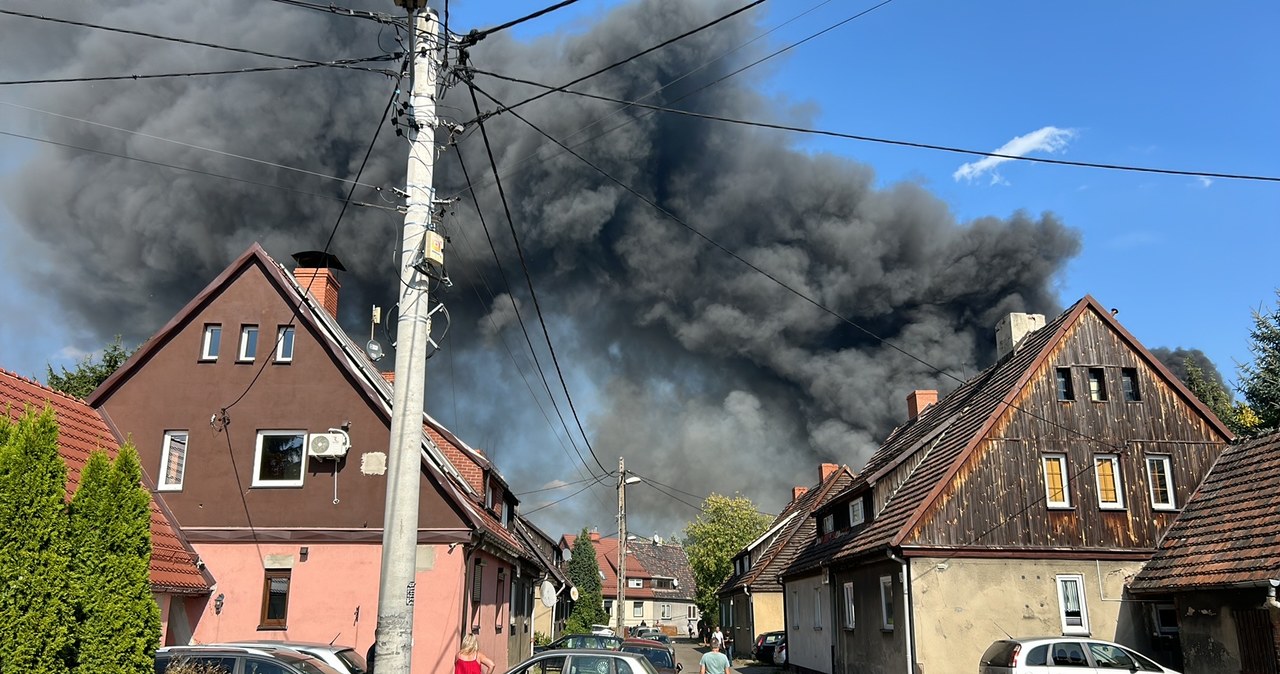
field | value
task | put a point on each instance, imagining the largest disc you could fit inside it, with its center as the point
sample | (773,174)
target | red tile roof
(81,431)
(1229,532)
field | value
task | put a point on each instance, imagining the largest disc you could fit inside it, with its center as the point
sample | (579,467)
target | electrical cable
(888,141)
(800,295)
(599,480)
(189,145)
(559,486)
(475,36)
(203,73)
(380,17)
(166,38)
(629,59)
(191,170)
(493,163)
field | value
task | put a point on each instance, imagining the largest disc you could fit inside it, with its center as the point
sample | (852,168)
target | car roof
(584,651)
(290,644)
(644,642)
(214,648)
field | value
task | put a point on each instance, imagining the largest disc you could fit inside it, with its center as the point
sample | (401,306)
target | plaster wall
(768,617)
(962,605)
(1207,629)
(333,596)
(808,642)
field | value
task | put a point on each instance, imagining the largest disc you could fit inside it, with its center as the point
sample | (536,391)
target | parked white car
(1055,655)
(602,631)
(342,658)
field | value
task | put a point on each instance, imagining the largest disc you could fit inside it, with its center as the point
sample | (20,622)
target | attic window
(1097,385)
(1066,391)
(829,523)
(248,343)
(1129,382)
(284,344)
(212,341)
(635,582)
(857,514)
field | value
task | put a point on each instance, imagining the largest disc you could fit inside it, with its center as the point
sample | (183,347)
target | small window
(173,460)
(1097,385)
(886,602)
(1071,608)
(1055,481)
(275,599)
(477,578)
(1165,616)
(248,343)
(1066,391)
(829,523)
(284,344)
(1160,478)
(279,458)
(1110,492)
(1129,381)
(212,342)
(856,513)
(608,607)
(848,606)
(635,582)
(817,608)
(666,611)
(637,609)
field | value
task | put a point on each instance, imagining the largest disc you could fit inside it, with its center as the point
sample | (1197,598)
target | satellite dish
(548,591)
(573,593)
(567,554)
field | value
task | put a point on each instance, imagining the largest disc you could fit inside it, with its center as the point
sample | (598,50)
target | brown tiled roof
(796,529)
(664,560)
(1229,532)
(946,433)
(81,431)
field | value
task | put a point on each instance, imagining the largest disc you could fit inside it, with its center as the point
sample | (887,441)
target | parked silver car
(342,658)
(1077,655)
(241,660)
(584,661)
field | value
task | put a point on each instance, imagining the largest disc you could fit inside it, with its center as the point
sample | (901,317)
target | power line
(559,486)
(380,17)
(190,145)
(493,163)
(598,480)
(476,36)
(202,73)
(631,58)
(889,141)
(166,38)
(192,170)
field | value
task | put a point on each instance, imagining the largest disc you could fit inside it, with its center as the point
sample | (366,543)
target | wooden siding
(997,498)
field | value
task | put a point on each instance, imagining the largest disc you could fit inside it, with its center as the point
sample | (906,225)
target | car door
(1069,657)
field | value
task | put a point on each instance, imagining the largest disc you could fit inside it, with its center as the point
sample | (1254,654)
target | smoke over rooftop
(705,374)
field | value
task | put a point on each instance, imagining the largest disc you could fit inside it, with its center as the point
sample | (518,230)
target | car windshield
(304,663)
(353,660)
(658,657)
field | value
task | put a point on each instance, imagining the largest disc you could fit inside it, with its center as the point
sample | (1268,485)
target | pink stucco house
(265,428)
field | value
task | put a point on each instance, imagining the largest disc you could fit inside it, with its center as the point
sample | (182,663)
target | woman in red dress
(470,660)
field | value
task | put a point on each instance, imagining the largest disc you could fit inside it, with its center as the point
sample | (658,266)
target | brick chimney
(315,273)
(1011,330)
(825,471)
(918,401)
(594,536)
(797,492)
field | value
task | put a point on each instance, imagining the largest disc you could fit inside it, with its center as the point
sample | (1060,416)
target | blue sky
(1174,85)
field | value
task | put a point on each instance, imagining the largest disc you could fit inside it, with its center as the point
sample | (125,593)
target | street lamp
(623,481)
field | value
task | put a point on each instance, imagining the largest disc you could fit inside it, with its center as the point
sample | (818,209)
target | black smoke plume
(706,375)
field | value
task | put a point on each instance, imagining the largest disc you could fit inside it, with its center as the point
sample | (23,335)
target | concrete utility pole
(421,246)
(623,481)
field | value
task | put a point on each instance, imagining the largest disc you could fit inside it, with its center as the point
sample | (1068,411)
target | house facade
(1021,503)
(266,429)
(752,599)
(1213,583)
(660,588)
(180,586)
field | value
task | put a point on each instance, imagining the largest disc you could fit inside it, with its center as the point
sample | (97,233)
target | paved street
(689,653)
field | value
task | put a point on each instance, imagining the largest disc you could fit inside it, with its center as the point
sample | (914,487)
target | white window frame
(244,355)
(829,523)
(207,350)
(635,583)
(162,480)
(861,513)
(1114,460)
(257,460)
(666,611)
(817,608)
(637,609)
(849,616)
(1167,466)
(281,355)
(1065,502)
(1061,581)
(886,603)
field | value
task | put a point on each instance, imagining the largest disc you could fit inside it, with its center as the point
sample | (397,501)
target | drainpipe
(477,537)
(751,619)
(1271,595)
(906,609)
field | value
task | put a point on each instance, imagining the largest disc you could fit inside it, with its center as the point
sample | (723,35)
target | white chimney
(1012,329)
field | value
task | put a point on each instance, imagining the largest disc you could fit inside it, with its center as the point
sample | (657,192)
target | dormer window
(828,523)
(857,514)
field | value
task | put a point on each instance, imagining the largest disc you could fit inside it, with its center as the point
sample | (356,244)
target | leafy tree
(88,374)
(36,618)
(584,572)
(1260,380)
(725,526)
(1237,416)
(110,519)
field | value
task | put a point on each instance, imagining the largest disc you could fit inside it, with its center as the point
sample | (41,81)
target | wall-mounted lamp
(302,554)
(218,602)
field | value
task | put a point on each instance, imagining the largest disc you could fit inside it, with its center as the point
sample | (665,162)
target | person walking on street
(692,634)
(714,662)
(717,638)
(470,660)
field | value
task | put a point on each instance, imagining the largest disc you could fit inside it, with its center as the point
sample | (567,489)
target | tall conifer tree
(584,572)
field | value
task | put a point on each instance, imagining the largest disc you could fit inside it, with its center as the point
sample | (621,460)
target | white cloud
(1204,182)
(1048,139)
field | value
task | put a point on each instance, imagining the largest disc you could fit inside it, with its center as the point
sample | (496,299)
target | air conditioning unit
(331,445)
